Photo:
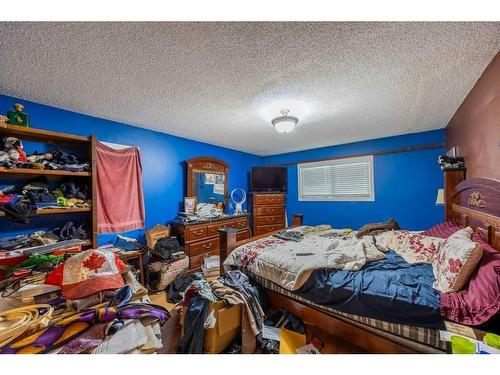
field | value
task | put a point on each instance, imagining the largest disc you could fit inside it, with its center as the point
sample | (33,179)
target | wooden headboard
(476,202)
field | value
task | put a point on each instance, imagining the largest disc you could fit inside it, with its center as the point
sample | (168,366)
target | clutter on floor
(89,302)
(228,315)
(67,302)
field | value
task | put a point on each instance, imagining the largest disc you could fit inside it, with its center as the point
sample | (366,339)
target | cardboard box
(155,233)
(227,328)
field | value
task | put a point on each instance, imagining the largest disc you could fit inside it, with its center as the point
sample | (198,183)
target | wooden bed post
(297,220)
(227,244)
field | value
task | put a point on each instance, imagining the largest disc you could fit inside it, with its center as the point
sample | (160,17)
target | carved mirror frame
(205,165)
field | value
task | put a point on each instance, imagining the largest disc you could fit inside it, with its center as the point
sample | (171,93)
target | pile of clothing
(22,202)
(14,156)
(100,308)
(233,288)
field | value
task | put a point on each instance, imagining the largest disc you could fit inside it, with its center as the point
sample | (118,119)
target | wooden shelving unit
(45,136)
(19,172)
(55,211)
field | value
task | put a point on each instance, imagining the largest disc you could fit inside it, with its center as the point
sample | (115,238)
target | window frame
(339,198)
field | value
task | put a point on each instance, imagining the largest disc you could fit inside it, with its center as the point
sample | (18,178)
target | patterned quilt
(289,263)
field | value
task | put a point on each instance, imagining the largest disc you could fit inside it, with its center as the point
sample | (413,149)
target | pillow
(443,230)
(480,299)
(413,247)
(456,261)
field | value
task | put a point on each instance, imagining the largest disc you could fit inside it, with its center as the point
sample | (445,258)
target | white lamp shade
(440,197)
(285,126)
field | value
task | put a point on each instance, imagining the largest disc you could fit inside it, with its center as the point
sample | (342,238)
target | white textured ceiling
(222,83)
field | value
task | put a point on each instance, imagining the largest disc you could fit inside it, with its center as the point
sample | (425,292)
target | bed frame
(474,202)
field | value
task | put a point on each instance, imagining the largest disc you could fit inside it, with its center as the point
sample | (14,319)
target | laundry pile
(233,288)
(22,202)
(95,305)
(14,156)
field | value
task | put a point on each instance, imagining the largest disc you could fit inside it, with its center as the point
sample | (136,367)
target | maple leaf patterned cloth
(413,247)
(87,273)
(289,264)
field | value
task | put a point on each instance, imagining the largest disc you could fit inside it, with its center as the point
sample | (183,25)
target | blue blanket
(389,289)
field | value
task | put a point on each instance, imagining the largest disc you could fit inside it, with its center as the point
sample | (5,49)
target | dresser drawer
(196,262)
(195,233)
(270,199)
(213,229)
(262,229)
(199,248)
(269,211)
(269,220)
(241,223)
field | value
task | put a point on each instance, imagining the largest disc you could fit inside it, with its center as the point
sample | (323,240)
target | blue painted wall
(406,184)
(162,157)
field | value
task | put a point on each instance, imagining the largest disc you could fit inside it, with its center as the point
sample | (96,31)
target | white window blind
(349,179)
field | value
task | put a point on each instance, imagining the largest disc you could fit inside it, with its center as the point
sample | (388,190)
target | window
(349,179)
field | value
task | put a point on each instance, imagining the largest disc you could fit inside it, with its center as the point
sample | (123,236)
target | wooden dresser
(268,212)
(201,238)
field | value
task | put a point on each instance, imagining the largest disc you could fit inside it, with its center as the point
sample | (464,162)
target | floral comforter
(289,264)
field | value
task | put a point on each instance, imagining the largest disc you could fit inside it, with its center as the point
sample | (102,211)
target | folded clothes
(50,204)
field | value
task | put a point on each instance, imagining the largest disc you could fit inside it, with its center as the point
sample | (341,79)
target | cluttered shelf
(41,172)
(42,135)
(54,211)
(23,172)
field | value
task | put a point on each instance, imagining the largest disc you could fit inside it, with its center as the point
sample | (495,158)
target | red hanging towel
(120,199)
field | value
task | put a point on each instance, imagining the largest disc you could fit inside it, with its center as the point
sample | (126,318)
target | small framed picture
(189,205)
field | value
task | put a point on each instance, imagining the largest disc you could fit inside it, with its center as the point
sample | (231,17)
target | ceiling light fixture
(284,124)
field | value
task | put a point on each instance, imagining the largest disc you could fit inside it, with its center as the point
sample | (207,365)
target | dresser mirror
(207,181)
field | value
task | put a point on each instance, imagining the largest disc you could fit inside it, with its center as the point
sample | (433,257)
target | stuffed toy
(14,147)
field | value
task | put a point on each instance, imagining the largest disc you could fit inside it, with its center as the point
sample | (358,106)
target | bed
(387,322)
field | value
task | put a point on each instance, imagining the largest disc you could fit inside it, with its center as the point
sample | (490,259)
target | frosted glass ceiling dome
(284,124)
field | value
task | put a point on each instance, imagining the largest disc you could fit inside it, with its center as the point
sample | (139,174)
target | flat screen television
(268,179)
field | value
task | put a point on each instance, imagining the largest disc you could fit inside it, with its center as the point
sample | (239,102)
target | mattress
(422,335)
